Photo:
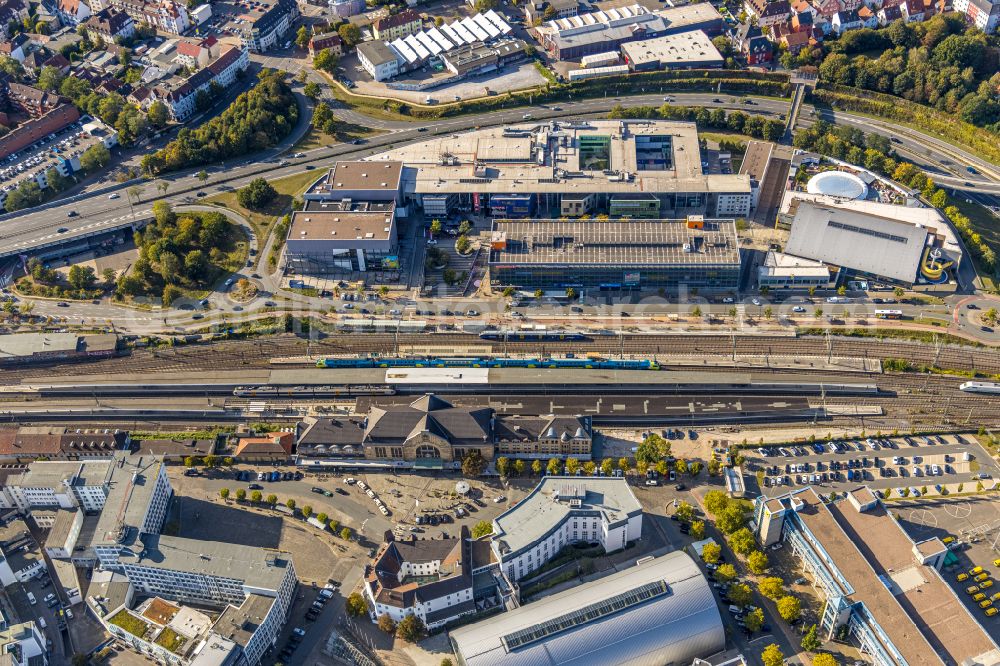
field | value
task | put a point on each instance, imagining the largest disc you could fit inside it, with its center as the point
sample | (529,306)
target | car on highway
(229,282)
(755,301)
(197,315)
(340,491)
(986,329)
(62,304)
(62,230)
(798,308)
(421,129)
(72,213)
(971,170)
(113,195)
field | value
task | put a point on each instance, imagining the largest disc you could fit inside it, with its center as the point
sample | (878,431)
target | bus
(888,314)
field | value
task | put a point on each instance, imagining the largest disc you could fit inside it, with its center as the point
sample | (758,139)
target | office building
(20,558)
(497,171)
(346,8)
(877,582)
(63,534)
(378,60)
(564,510)
(661,611)
(394,26)
(343,238)
(28,443)
(685,50)
(254,587)
(266,31)
(67,485)
(23,645)
(615,255)
(438,580)
(432,433)
(785,271)
(573,37)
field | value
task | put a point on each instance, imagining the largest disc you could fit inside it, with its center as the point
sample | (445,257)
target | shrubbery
(256,120)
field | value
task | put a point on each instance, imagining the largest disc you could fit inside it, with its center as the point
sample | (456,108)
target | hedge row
(728,81)
(979,140)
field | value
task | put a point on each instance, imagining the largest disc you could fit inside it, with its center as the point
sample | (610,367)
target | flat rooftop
(939,615)
(631,243)
(133,480)
(52,474)
(558,157)
(679,49)
(860,545)
(526,523)
(756,158)
(238,623)
(359,175)
(337,226)
(262,568)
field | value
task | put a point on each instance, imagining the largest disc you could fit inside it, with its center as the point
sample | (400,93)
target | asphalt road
(40,228)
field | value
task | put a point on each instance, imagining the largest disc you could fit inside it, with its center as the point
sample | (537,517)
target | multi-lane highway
(59,223)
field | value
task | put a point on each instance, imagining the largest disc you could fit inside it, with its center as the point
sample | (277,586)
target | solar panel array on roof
(486,25)
(470,30)
(496,20)
(417,47)
(463,32)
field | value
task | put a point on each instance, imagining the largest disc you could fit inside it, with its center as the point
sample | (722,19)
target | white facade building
(561,511)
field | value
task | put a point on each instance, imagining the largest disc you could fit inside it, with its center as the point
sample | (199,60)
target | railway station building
(430,432)
(615,255)
(877,582)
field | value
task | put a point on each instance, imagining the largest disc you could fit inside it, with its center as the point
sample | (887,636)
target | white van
(41,622)
(31,599)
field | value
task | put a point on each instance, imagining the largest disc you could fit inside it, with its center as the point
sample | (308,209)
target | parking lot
(974,524)
(910,462)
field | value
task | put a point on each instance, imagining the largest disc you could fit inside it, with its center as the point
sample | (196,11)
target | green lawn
(987,225)
(130,623)
(315,138)
(288,188)
(170,639)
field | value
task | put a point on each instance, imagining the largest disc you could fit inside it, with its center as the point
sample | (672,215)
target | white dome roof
(837,184)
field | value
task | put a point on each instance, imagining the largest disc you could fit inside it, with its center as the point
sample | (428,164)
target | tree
(554,466)
(811,642)
(772,655)
(715,501)
(607,467)
(740,594)
(435,228)
(481,529)
(158,114)
(290,504)
(49,78)
(536,467)
(757,562)
(211,461)
(350,33)
(696,313)
(685,512)
(520,466)
(754,620)
(772,587)
(56,181)
(356,605)
(731,519)
(345,534)
(224,493)
(463,245)
(824,659)
(589,468)
(789,608)
(742,541)
(624,465)
(190,461)
(325,60)
(322,517)
(503,466)
(571,293)
(95,157)
(572,466)
(257,193)
(312,90)
(81,277)
(255,497)
(241,494)
(386,624)
(652,449)
(272,499)
(698,530)
(898,292)
(725,573)
(302,37)
(711,552)
(411,629)
(473,464)
(694,468)
(681,467)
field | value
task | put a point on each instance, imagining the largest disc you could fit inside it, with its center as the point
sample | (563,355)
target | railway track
(250,354)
